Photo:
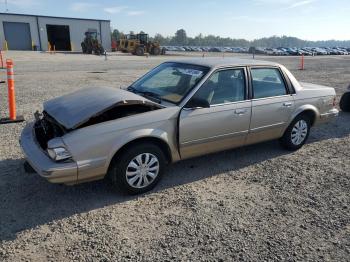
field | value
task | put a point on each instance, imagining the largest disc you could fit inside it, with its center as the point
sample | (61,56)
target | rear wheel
(155,51)
(137,169)
(89,50)
(83,47)
(163,51)
(140,51)
(297,133)
(344,103)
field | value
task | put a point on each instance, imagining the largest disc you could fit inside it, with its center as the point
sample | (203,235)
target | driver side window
(223,86)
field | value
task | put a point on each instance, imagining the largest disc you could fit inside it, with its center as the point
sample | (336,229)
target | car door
(222,125)
(272,104)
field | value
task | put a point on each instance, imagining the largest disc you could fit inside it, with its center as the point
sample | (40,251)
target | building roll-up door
(17,36)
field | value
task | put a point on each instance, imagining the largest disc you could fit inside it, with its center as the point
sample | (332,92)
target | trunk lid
(75,109)
(314,86)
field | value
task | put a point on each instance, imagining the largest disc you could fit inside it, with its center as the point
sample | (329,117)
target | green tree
(116,34)
(180,37)
(159,38)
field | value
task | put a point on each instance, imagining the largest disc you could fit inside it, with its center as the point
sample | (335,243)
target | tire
(163,51)
(155,51)
(140,51)
(83,47)
(344,103)
(128,162)
(97,52)
(297,133)
(89,50)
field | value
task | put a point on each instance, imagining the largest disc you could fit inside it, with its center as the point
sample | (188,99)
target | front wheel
(297,133)
(137,169)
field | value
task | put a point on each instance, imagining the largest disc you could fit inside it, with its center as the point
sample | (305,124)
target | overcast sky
(249,19)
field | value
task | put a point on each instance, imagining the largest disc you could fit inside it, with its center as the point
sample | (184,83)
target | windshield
(170,81)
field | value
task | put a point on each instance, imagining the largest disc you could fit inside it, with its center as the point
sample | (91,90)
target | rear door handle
(287,104)
(240,111)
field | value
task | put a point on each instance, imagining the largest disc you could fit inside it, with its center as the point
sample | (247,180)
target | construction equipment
(139,44)
(91,44)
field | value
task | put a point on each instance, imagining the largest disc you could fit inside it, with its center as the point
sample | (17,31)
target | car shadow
(28,200)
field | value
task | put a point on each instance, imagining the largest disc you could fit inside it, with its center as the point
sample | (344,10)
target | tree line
(181,39)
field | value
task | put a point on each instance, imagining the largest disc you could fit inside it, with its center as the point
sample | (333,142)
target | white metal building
(30,32)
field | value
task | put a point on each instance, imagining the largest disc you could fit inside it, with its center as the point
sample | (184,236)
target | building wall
(20,19)
(77,28)
(106,35)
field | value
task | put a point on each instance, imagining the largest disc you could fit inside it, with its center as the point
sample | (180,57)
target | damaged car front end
(44,163)
(44,141)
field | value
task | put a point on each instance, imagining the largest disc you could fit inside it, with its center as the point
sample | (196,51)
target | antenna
(6,6)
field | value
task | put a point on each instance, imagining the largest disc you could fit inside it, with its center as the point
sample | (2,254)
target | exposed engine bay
(47,128)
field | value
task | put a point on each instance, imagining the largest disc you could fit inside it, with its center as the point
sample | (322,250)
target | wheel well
(156,141)
(310,114)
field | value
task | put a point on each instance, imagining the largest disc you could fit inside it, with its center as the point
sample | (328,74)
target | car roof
(215,62)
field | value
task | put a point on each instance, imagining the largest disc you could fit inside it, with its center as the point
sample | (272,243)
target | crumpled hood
(75,109)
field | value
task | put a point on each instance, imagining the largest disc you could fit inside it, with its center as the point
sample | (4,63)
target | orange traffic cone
(11,96)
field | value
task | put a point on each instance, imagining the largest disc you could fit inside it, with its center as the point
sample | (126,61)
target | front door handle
(240,112)
(287,104)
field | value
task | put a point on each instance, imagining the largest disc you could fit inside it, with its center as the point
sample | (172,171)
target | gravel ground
(255,203)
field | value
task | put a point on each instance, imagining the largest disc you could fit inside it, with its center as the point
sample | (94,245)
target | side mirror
(196,103)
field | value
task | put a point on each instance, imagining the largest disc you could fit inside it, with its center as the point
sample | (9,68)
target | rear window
(267,82)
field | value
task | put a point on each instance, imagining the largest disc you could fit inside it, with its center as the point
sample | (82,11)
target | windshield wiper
(148,94)
(151,95)
(132,89)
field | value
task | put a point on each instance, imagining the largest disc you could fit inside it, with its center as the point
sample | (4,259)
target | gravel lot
(254,203)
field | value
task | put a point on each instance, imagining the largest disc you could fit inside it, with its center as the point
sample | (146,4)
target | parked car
(179,48)
(333,51)
(179,110)
(257,50)
(215,49)
(305,51)
(292,51)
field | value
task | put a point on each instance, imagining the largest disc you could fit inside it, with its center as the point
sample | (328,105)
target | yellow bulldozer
(139,44)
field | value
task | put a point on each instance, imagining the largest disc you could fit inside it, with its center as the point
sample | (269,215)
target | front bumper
(54,172)
(329,115)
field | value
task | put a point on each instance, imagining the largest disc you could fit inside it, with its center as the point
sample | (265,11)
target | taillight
(334,101)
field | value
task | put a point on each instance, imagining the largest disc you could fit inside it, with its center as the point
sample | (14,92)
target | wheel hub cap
(299,132)
(142,170)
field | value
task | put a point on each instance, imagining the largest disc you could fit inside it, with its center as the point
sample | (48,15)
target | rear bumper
(331,114)
(54,172)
